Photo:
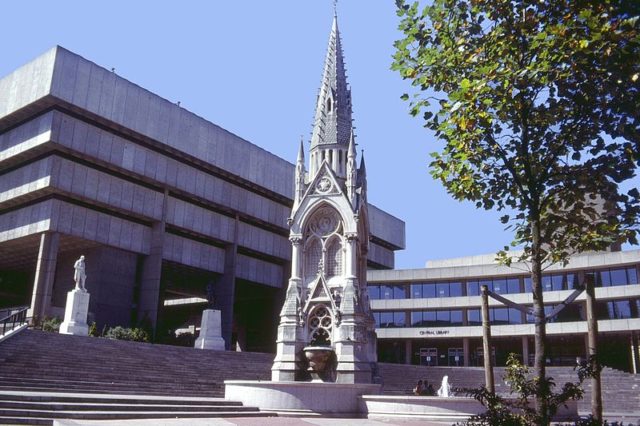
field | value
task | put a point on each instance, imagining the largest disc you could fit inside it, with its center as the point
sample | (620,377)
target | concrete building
(161,202)
(431,316)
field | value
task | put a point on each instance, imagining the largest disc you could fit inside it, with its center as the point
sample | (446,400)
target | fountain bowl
(318,358)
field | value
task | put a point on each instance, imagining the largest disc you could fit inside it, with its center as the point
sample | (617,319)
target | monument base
(302,398)
(210,331)
(75,314)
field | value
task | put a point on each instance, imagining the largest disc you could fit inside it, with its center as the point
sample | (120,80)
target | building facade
(432,316)
(165,206)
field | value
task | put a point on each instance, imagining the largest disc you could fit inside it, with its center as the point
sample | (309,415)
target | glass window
(386,292)
(399,319)
(455,289)
(557,282)
(416,319)
(618,277)
(399,291)
(513,285)
(605,279)
(473,317)
(374,292)
(500,286)
(416,291)
(472,288)
(572,281)
(442,289)
(429,318)
(546,283)
(527,285)
(515,316)
(619,309)
(632,276)
(500,316)
(488,283)
(386,319)
(428,290)
(443,318)
(456,317)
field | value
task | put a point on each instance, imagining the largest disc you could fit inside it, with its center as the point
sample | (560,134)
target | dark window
(429,318)
(442,289)
(416,319)
(399,319)
(605,279)
(386,319)
(572,281)
(500,286)
(472,288)
(546,283)
(399,292)
(527,285)
(632,274)
(499,316)
(456,318)
(513,285)
(443,318)
(473,317)
(619,309)
(416,291)
(619,277)
(515,316)
(455,289)
(428,290)
(557,282)
(374,292)
(386,292)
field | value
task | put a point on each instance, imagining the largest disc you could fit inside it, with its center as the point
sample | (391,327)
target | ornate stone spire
(299,176)
(332,124)
(352,173)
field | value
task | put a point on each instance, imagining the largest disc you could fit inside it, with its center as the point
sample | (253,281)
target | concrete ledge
(301,398)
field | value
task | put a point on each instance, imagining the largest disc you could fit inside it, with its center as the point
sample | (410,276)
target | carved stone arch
(334,255)
(312,254)
(320,325)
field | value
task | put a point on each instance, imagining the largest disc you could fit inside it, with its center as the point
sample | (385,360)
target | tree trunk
(592,322)
(486,342)
(540,324)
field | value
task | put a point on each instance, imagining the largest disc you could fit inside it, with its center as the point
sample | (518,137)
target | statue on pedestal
(79,275)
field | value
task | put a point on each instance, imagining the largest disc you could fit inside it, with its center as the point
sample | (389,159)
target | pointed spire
(362,178)
(332,122)
(299,175)
(351,182)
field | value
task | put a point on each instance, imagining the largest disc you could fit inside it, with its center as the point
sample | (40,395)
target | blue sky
(254,68)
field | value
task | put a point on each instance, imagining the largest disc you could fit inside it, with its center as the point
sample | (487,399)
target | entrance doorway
(429,356)
(480,356)
(456,357)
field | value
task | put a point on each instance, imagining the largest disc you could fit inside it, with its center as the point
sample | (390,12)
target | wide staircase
(44,376)
(620,390)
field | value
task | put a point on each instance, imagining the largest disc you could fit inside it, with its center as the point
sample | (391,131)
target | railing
(12,318)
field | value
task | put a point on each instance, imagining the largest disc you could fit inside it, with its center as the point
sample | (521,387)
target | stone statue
(210,295)
(80,276)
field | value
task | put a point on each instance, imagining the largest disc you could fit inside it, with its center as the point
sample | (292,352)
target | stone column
(635,353)
(226,289)
(407,351)
(149,292)
(525,350)
(45,274)
(465,350)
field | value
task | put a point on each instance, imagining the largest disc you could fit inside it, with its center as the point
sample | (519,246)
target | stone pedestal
(210,331)
(75,314)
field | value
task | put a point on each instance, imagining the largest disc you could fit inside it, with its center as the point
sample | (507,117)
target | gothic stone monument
(327,304)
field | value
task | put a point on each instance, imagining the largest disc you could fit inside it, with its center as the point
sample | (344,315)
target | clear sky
(254,68)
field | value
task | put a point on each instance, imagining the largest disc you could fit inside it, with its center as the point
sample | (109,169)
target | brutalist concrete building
(162,203)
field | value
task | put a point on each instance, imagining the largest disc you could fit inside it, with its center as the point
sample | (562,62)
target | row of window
(550,282)
(619,309)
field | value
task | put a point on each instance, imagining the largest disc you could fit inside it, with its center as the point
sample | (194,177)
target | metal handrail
(15,319)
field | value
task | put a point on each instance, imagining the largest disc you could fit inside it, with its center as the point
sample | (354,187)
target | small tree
(536,103)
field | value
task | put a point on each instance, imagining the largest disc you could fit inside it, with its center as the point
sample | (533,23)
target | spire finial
(335,8)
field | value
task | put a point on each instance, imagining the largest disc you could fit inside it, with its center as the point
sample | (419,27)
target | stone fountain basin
(449,409)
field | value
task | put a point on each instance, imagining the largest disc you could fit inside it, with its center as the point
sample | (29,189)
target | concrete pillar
(226,288)
(151,277)
(525,350)
(45,274)
(635,353)
(407,351)
(465,350)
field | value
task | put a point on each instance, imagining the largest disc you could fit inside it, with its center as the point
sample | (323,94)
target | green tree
(536,104)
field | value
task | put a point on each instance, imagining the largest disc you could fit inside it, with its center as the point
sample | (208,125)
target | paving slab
(248,421)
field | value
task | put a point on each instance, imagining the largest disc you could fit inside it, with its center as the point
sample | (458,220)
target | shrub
(93,330)
(132,334)
(51,324)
